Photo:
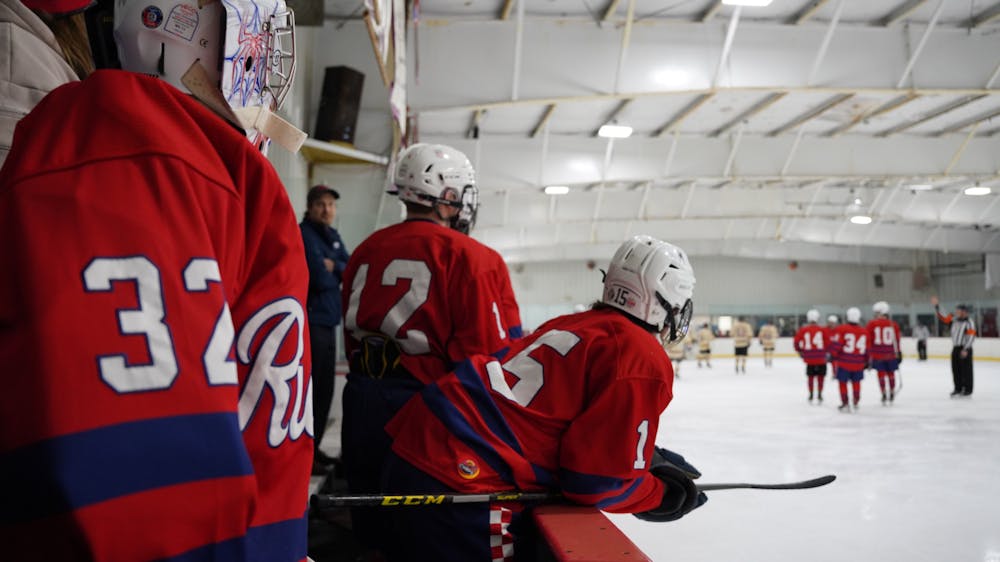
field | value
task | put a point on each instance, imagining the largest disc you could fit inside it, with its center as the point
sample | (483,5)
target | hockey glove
(680,495)
(899,357)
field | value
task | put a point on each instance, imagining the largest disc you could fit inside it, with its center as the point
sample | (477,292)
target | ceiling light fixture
(861,219)
(755,3)
(556,190)
(610,131)
(921,187)
(978,190)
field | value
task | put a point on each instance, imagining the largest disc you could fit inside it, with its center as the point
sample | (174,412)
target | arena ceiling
(757,131)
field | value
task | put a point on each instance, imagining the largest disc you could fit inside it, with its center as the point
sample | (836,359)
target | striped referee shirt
(963,330)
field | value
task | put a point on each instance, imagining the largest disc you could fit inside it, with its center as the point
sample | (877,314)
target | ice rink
(916,481)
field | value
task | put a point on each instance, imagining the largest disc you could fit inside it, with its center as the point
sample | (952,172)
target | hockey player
(595,381)
(849,348)
(768,335)
(421,295)
(883,339)
(152,306)
(742,334)
(705,337)
(832,321)
(678,353)
(811,343)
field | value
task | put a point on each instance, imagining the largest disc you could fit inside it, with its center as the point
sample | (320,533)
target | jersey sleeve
(479,309)
(510,311)
(607,464)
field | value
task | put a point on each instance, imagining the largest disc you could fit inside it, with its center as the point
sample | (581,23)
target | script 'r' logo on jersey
(152,17)
(276,362)
(468,469)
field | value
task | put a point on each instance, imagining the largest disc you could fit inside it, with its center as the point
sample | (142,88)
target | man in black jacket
(327,258)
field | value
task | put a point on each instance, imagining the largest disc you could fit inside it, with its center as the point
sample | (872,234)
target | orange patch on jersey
(468,469)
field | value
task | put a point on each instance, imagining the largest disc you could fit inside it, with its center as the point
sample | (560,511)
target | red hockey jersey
(155,372)
(575,406)
(811,343)
(440,294)
(883,339)
(849,347)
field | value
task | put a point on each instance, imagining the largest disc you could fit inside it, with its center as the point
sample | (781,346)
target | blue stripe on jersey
(473,385)
(515,332)
(588,484)
(445,411)
(544,477)
(608,502)
(72,471)
(285,541)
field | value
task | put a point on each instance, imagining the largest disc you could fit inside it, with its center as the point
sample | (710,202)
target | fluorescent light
(556,190)
(758,3)
(978,190)
(921,187)
(861,219)
(614,131)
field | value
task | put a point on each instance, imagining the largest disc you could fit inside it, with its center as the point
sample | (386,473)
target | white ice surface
(916,481)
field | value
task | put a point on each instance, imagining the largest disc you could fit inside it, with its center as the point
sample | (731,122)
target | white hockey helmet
(854,315)
(881,307)
(246,47)
(832,319)
(426,173)
(652,281)
(812,315)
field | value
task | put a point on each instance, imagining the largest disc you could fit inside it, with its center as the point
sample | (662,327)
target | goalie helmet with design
(432,174)
(652,281)
(246,49)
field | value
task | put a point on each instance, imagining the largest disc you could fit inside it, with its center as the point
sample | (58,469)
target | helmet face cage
(466,217)
(679,321)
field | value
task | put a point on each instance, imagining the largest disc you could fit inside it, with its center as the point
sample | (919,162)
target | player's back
(742,334)
(883,338)
(851,347)
(135,219)
(536,419)
(811,343)
(436,291)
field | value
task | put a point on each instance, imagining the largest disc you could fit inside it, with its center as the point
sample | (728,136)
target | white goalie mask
(424,175)
(812,315)
(245,47)
(652,281)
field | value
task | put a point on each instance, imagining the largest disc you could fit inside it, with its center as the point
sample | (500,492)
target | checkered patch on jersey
(501,541)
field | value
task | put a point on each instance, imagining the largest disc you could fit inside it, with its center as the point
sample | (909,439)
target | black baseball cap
(317,191)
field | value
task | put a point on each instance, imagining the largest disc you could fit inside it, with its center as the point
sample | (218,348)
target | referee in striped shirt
(963,333)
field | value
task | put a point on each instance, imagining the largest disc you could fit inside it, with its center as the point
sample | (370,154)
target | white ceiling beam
(645,200)
(899,12)
(825,44)
(518,48)
(732,152)
(985,16)
(727,45)
(811,114)
(961,150)
(623,52)
(610,10)
(687,200)
(505,9)
(544,157)
(867,92)
(951,204)
(615,113)
(812,201)
(709,12)
(543,121)
(670,154)
(886,107)
(756,108)
(977,120)
(792,151)
(989,209)
(947,108)
(920,45)
(807,12)
(683,114)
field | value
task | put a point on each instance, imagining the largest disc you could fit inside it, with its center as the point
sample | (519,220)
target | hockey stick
(330,501)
